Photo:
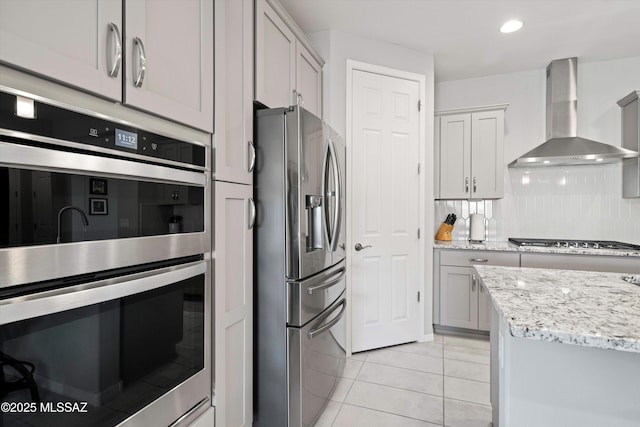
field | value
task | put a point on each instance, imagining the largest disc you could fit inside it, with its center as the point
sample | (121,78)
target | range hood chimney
(564,147)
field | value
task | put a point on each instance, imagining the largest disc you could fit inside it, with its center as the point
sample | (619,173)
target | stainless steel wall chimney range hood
(563,146)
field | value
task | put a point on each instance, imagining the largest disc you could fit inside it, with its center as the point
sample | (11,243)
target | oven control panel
(56,123)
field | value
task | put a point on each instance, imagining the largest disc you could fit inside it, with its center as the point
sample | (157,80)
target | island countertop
(585,308)
(504,246)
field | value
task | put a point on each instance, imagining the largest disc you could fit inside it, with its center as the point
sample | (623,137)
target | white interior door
(385,210)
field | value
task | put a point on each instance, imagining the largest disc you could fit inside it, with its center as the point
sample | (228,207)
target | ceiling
(463,35)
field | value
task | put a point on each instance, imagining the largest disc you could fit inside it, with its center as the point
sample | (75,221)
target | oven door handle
(62,161)
(319,330)
(58,300)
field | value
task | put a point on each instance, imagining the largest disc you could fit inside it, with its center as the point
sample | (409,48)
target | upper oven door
(68,213)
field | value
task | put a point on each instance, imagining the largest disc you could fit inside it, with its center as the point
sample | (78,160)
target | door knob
(358,247)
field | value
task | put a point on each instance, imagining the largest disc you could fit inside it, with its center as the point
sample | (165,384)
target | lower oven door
(130,350)
(316,360)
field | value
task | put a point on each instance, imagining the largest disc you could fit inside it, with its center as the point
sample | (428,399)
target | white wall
(579,202)
(336,47)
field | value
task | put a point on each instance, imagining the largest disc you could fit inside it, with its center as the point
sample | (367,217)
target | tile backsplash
(578,202)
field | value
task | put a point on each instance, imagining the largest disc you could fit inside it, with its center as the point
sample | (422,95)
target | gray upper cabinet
(233,147)
(275,58)
(631,140)
(74,42)
(308,80)
(169,67)
(469,153)
(288,70)
(162,49)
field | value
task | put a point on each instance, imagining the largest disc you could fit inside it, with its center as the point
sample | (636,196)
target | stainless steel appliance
(300,269)
(563,146)
(577,244)
(105,296)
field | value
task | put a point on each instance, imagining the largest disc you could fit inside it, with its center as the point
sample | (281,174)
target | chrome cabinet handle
(475,188)
(473,283)
(295,97)
(358,247)
(113,62)
(466,184)
(252,162)
(252,205)
(478,260)
(137,41)
(300,100)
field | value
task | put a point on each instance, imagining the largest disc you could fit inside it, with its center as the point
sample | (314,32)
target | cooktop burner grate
(578,244)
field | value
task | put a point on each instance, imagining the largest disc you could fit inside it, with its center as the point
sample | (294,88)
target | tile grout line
(444,410)
(408,369)
(397,388)
(337,413)
(397,415)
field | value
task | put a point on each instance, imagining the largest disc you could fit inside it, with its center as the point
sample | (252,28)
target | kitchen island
(565,347)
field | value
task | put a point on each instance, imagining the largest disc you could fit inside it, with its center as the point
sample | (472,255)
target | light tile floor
(439,383)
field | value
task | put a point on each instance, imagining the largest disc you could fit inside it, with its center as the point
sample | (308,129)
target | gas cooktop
(577,244)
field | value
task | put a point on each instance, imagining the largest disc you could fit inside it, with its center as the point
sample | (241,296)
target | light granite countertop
(584,308)
(508,247)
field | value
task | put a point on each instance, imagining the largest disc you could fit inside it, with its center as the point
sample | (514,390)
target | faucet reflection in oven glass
(83,216)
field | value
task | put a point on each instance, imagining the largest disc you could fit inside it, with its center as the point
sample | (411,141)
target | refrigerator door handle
(331,160)
(324,189)
(328,284)
(338,205)
(319,330)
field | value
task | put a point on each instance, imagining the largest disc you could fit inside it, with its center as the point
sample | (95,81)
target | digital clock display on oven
(126,139)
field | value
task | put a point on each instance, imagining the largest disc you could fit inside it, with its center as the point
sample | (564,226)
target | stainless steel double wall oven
(105,295)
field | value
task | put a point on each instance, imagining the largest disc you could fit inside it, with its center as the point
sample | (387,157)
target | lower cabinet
(233,264)
(464,303)
(458,297)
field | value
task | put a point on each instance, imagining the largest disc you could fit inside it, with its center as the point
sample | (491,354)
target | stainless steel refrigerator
(299,285)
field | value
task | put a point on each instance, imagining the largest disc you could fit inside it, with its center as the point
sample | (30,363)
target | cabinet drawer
(469,258)
(583,262)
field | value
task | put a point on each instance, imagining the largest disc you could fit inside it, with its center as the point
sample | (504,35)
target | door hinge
(419,105)
(418,296)
(418,233)
(419,165)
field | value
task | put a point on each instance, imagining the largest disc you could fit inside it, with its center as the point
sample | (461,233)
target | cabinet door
(169,69)
(234,151)
(458,297)
(455,156)
(308,80)
(487,164)
(71,41)
(233,248)
(275,58)
(484,307)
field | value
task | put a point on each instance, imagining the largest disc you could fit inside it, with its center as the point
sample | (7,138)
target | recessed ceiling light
(511,26)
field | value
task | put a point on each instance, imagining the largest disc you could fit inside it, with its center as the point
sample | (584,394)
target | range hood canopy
(563,146)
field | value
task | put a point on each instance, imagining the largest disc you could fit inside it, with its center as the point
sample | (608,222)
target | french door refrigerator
(299,329)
